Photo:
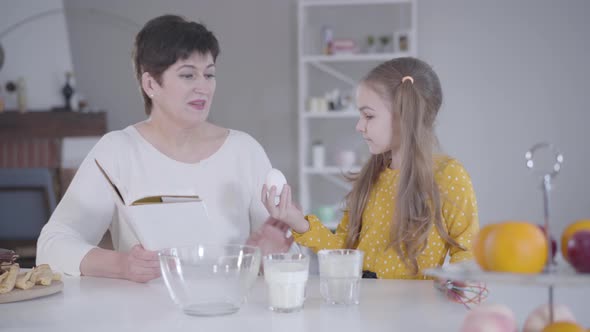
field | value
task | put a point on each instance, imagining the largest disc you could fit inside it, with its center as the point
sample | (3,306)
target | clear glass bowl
(210,280)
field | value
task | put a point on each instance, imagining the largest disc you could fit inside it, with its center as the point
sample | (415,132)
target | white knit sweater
(230,182)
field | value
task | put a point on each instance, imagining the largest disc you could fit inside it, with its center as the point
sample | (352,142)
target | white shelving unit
(320,73)
(312,59)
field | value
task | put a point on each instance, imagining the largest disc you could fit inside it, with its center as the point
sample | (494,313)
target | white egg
(277,179)
(539,318)
(489,318)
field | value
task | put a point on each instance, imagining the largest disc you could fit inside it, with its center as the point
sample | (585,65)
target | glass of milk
(340,275)
(286,276)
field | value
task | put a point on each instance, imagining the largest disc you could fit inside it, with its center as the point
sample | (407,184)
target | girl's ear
(149,84)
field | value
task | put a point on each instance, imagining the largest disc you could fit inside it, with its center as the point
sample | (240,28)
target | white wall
(37,51)
(513,72)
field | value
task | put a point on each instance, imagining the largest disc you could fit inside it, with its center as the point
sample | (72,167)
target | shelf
(333,170)
(312,3)
(354,57)
(331,115)
(319,74)
(564,275)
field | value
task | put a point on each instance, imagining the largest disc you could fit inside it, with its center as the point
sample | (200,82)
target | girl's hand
(286,211)
(271,237)
(140,265)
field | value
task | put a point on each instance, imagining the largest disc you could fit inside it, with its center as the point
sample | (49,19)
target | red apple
(578,251)
(553,242)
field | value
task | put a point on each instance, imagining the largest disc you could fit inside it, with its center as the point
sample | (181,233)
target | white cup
(340,275)
(286,276)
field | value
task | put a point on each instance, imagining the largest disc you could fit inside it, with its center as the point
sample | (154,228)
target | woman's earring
(151,95)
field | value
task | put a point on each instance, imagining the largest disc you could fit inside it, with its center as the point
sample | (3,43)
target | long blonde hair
(418,205)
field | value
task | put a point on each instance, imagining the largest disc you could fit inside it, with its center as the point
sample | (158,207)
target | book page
(166,199)
(120,193)
(117,192)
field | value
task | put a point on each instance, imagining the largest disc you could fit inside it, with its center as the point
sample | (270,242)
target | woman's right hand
(286,211)
(140,265)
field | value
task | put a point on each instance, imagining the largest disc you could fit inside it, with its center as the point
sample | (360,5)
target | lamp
(88,11)
(114,20)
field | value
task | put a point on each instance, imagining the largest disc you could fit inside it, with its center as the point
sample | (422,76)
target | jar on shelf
(327,40)
(21,95)
(318,154)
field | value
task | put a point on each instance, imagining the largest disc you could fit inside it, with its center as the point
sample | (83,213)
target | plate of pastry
(18,284)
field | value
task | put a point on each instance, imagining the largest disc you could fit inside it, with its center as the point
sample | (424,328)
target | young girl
(408,207)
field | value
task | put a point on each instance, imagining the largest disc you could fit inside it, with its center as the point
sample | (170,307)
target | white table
(107,305)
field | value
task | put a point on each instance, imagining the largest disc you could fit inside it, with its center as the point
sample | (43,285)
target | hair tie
(408,78)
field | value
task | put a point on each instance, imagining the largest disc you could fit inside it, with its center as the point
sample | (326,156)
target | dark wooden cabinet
(50,124)
(33,139)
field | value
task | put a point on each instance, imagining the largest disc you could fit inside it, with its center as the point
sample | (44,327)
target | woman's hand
(140,265)
(286,211)
(271,237)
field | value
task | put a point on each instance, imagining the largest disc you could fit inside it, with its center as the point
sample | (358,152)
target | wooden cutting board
(31,293)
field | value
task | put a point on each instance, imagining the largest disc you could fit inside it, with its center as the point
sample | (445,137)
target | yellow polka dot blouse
(459,214)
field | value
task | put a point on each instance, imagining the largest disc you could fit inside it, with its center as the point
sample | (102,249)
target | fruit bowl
(564,275)
(209,280)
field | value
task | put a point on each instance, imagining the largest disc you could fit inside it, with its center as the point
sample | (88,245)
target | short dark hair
(164,40)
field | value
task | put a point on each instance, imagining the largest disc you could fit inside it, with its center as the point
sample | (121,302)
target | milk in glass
(340,275)
(286,276)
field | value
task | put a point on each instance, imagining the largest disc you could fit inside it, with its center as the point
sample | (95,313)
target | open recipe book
(160,221)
